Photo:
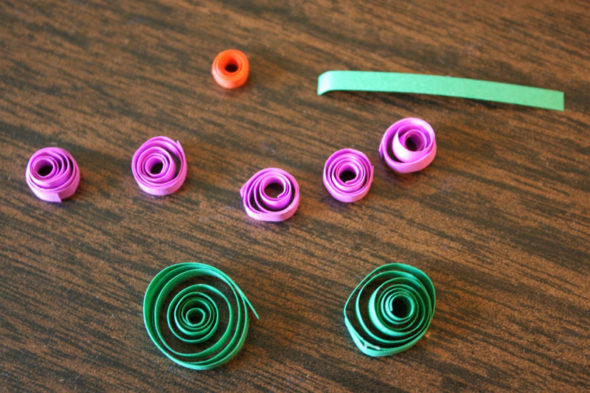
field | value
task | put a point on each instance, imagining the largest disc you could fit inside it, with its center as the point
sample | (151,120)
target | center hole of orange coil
(231,66)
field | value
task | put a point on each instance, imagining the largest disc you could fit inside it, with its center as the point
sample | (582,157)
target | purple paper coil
(52,174)
(263,207)
(348,175)
(408,145)
(159,166)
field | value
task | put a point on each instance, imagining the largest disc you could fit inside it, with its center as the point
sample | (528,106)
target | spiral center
(45,170)
(347,175)
(231,66)
(195,316)
(273,190)
(415,142)
(400,307)
(156,168)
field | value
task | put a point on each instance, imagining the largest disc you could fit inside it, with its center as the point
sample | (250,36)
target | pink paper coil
(159,166)
(260,205)
(52,174)
(348,174)
(408,145)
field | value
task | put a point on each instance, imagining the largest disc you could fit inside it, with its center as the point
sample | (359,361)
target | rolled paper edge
(411,167)
(278,216)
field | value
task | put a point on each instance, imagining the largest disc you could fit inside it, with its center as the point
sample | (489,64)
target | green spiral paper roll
(392,309)
(192,312)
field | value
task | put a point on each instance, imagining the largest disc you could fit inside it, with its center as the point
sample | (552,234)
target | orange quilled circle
(230,68)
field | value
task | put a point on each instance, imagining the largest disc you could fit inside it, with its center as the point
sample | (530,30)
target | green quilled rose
(192,311)
(390,309)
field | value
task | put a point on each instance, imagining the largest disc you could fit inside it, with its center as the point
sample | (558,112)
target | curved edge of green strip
(397,82)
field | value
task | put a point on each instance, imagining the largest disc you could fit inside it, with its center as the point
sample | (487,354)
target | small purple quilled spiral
(348,175)
(52,174)
(408,145)
(264,207)
(159,166)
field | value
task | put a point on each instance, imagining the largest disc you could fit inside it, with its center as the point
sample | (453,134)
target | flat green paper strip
(396,82)
(194,335)
(390,310)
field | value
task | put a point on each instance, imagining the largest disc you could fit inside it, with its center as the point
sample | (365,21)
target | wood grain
(500,221)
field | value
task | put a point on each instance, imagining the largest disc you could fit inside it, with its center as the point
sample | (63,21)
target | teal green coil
(391,309)
(193,315)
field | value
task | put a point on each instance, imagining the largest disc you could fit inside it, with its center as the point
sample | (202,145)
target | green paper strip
(391,309)
(191,309)
(396,82)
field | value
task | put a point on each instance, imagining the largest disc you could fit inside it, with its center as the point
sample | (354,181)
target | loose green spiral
(391,308)
(191,309)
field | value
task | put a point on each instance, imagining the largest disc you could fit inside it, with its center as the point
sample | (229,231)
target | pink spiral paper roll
(260,205)
(159,166)
(408,145)
(52,174)
(348,174)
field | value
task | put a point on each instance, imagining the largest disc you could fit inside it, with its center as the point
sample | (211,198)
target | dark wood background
(500,221)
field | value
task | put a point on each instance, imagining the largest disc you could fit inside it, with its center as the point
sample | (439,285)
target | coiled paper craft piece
(397,82)
(52,174)
(408,145)
(204,327)
(159,166)
(348,174)
(390,309)
(230,68)
(264,207)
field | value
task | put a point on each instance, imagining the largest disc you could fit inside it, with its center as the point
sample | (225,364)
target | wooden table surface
(500,221)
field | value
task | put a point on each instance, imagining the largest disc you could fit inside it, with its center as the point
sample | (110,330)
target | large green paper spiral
(391,308)
(193,315)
